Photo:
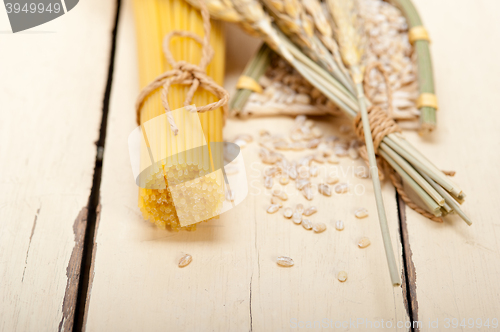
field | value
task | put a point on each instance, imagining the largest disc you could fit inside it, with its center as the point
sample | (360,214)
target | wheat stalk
(349,40)
(324,32)
(346,22)
(293,20)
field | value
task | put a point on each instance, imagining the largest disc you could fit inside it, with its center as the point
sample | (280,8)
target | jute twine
(185,73)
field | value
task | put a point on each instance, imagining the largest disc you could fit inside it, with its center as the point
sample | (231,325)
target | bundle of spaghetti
(198,189)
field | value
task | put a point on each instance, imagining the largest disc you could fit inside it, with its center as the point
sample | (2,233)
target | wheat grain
(324,189)
(339,225)
(308,192)
(268,182)
(270,171)
(362,173)
(288,212)
(319,227)
(361,213)
(310,211)
(353,153)
(341,188)
(307,224)
(342,276)
(364,242)
(280,194)
(285,261)
(273,208)
(301,183)
(185,260)
(297,218)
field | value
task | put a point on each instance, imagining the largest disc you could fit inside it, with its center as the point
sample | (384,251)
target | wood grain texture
(51,92)
(457,266)
(233,283)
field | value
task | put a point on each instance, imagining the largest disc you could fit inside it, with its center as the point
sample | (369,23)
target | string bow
(186,73)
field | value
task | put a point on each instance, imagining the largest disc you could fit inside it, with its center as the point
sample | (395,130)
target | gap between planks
(409,284)
(85,281)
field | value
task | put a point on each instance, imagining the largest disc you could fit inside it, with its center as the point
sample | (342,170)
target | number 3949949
(33,8)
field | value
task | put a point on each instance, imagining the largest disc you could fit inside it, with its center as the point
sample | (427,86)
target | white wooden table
(124,277)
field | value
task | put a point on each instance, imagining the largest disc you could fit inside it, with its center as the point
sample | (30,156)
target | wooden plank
(51,92)
(310,291)
(457,267)
(233,283)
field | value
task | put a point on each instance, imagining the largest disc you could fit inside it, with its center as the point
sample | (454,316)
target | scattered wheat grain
(361,213)
(284,261)
(339,225)
(319,227)
(364,242)
(185,260)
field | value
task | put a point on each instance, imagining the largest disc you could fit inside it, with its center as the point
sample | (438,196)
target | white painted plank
(51,92)
(458,267)
(233,283)
(310,291)
(136,282)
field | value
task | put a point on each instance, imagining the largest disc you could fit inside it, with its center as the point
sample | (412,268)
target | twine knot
(186,73)
(381,125)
